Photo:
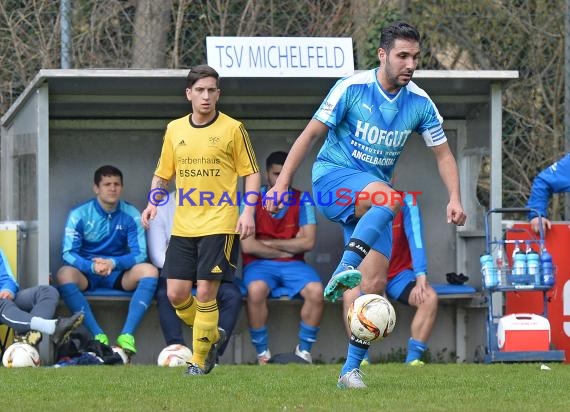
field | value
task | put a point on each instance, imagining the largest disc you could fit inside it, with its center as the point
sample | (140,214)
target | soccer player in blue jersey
(104,245)
(554,179)
(366,119)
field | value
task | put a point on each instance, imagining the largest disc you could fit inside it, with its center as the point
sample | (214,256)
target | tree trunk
(151,29)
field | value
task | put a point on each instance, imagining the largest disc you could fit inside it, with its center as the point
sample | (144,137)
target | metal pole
(65,10)
(567,96)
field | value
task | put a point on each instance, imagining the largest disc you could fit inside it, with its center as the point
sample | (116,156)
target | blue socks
(140,302)
(354,358)
(259,338)
(365,235)
(307,336)
(76,302)
(415,350)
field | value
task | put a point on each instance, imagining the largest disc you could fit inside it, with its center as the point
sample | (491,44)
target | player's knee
(66,274)
(257,292)
(313,292)
(145,270)
(177,296)
(49,292)
(431,300)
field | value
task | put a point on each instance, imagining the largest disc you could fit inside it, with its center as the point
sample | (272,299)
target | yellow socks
(205,331)
(187,310)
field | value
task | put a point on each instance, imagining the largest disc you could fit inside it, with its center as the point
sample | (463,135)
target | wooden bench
(458,297)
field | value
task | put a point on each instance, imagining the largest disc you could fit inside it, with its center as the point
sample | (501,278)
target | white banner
(281,56)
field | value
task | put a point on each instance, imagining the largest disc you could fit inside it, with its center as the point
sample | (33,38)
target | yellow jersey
(207,161)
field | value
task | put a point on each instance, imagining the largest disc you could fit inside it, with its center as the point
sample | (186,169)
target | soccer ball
(174,355)
(21,355)
(122,354)
(371,317)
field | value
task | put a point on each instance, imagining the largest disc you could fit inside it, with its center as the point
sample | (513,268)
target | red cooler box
(523,332)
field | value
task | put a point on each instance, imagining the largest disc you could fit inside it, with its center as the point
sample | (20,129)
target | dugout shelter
(68,122)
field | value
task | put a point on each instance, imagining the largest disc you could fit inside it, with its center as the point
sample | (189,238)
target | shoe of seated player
(416,362)
(303,354)
(31,337)
(210,361)
(347,279)
(264,357)
(127,342)
(351,380)
(194,370)
(101,337)
(64,327)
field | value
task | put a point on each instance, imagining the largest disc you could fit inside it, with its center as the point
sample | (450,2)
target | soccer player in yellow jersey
(206,151)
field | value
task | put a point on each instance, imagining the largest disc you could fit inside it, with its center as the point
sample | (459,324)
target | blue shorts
(335,195)
(399,286)
(113,281)
(335,192)
(286,277)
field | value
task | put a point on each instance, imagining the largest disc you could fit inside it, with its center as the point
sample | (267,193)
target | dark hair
(397,30)
(106,170)
(200,72)
(275,158)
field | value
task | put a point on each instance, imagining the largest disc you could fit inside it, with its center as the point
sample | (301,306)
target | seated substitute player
(274,258)
(30,311)
(229,295)
(407,277)
(554,179)
(104,246)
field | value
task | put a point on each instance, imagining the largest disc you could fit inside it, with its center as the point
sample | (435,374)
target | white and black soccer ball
(371,317)
(174,355)
(21,355)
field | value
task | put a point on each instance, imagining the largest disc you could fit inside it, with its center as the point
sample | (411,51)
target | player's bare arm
(314,131)
(449,174)
(246,221)
(150,211)
(260,249)
(303,242)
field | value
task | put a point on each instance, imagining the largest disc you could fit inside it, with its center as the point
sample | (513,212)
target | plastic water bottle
(547,268)
(488,270)
(533,265)
(519,263)
(499,261)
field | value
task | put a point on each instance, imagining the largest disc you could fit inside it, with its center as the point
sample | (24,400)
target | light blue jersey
(7,280)
(553,179)
(92,232)
(368,128)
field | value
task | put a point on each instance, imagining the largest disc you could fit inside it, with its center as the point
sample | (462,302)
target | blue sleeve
(72,240)
(7,280)
(136,243)
(334,107)
(413,226)
(554,179)
(307,214)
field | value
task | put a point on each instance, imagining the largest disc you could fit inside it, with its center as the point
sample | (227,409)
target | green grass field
(392,387)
